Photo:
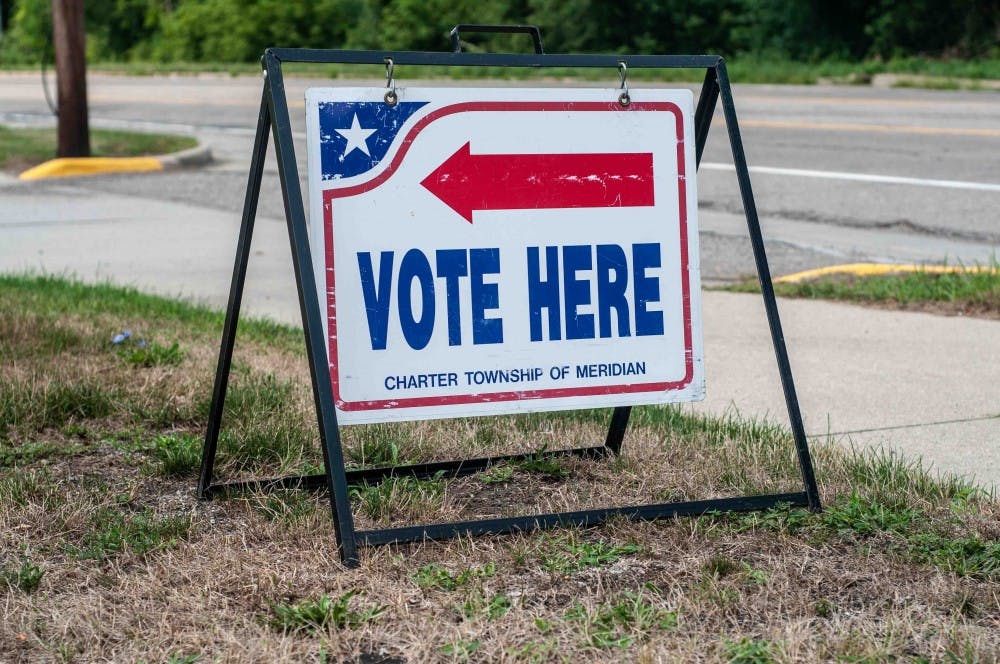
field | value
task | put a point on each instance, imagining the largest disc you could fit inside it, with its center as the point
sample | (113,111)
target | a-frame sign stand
(274,118)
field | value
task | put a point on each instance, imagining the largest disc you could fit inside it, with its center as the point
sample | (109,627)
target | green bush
(239,30)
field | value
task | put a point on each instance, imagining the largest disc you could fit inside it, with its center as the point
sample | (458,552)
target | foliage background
(238,30)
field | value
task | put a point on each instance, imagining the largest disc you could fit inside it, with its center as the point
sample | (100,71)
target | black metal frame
(274,117)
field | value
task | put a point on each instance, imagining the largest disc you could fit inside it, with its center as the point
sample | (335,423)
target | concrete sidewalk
(926,385)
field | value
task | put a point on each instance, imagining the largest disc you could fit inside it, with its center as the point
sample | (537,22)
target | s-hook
(391,98)
(623,98)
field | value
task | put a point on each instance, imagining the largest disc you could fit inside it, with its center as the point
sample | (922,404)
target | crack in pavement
(901,225)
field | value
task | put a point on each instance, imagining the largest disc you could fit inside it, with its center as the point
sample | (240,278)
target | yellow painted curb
(72,167)
(871,269)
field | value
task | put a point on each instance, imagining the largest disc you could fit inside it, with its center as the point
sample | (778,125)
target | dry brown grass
(136,569)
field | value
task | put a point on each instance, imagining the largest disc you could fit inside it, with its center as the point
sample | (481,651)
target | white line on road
(858,177)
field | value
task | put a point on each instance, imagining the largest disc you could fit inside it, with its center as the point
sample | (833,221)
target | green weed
(25,577)
(183,659)
(824,608)
(620,624)
(280,444)
(758,577)
(487,434)
(461,650)
(866,517)
(311,615)
(541,463)
(886,476)
(710,590)
(537,653)
(749,651)
(965,556)
(497,474)
(151,354)
(435,576)
(490,608)
(571,557)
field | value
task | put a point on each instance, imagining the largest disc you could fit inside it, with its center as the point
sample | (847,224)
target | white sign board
(489,251)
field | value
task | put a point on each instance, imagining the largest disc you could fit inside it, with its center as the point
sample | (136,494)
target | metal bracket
(456,42)
(624,99)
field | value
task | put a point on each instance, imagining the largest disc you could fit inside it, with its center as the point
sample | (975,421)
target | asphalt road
(840,174)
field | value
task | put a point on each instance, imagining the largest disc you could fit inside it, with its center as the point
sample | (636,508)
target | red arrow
(466,182)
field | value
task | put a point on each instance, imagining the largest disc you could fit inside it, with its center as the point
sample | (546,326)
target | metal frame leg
(767,290)
(329,432)
(235,298)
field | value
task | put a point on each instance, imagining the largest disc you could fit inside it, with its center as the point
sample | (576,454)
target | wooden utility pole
(71,71)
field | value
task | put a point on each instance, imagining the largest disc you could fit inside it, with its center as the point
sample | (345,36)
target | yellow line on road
(848,126)
(873,269)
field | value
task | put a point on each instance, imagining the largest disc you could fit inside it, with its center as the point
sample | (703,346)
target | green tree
(240,30)
(29,38)
(424,24)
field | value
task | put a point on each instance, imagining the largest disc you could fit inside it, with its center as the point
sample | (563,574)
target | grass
(113,532)
(434,576)
(486,608)
(23,148)
(567,556)
(399,497)
(322,613)
(105,553)
(742,68)
(907,531)
(176,454)
(621,622)
(971,293)
(749,651)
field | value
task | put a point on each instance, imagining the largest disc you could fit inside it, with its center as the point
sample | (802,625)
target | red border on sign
(555,393)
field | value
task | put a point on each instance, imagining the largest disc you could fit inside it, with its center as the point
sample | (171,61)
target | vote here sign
(488,251)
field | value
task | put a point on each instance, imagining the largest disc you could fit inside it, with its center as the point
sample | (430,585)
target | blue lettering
(611,292)
(415,266)
(544,294)
(485,296)
(577,291)
(647,289)
(451,264)
(376,297)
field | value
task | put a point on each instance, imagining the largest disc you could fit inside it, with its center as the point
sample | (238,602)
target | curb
(200,155)
(871,269)
(68,167)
